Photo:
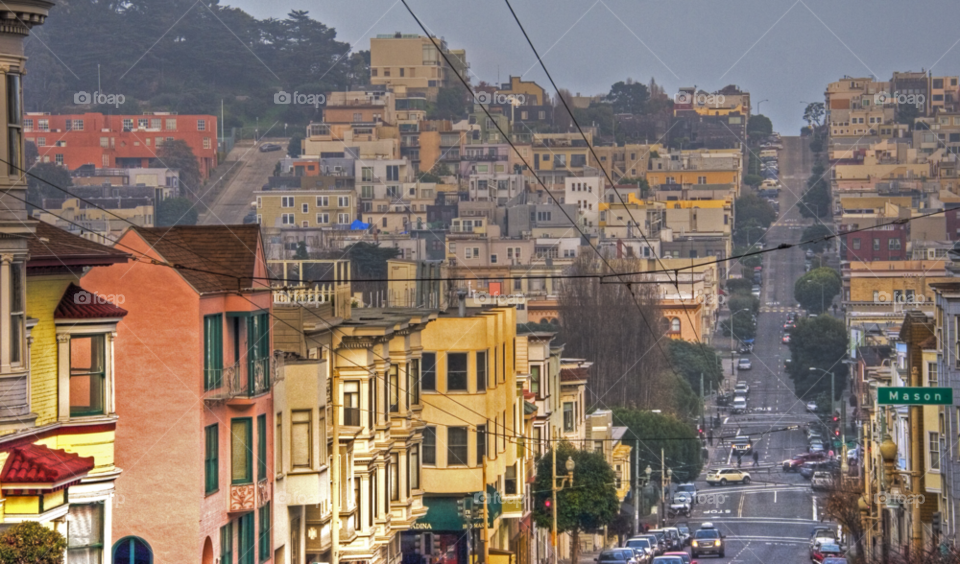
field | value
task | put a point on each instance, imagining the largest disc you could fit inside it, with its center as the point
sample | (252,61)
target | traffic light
(836,432)
(936,523)
(547,502)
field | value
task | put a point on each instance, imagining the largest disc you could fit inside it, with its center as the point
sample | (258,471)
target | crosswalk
(780,309)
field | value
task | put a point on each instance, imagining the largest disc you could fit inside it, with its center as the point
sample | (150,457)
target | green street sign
(914,396)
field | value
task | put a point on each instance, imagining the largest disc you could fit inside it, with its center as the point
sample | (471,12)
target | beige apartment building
(329,209)
(371,140)
(413,62)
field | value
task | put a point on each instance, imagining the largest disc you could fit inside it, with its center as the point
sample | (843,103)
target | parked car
(755,291)
(684,533)
(741,445)
(690,488)
(708,540)
(821,481)
(744,364)
(724,398)
(267,147)
(742,388)
(812,406)
(739,405)
(723,476)
(658,547)
(786,339)
(669,539)
(823,551)
(617,556)
(794,464)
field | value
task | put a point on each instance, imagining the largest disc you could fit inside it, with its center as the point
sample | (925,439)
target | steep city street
(770,519)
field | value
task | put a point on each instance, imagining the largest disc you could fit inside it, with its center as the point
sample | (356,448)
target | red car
(794,464)
(824,551)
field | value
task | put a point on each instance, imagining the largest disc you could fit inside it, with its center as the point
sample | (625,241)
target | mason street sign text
(914,396)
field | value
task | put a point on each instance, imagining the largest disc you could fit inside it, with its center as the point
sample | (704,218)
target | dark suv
(707,540)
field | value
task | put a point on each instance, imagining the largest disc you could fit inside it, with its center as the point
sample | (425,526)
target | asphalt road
(234,200)
(769,520)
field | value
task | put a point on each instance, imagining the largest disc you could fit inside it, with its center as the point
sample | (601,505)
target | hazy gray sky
(785,51)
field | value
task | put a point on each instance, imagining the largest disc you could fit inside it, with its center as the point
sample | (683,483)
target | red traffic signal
(546,503)
(836,432)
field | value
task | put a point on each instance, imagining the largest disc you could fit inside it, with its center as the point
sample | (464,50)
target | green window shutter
(212,459)
(247,555)
(264,536)
(226,544)
(261,447)
(213,352)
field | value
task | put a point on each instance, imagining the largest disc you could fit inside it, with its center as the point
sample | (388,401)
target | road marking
(774,496)
(740,510)
(814,508)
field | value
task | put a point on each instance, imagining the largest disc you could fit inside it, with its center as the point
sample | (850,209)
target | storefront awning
(443,515)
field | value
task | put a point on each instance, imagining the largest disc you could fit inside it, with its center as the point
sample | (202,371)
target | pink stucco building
(194,369)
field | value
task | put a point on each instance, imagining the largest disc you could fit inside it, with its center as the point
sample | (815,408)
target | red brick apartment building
(109,141)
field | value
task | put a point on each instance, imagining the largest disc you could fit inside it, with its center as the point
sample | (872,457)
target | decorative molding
(242,498)
(263,493)
(63,338)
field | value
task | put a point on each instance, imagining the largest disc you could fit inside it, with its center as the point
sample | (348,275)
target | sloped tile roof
(78,303)
(37,464)
(574,374)
(51,246)
(224,252)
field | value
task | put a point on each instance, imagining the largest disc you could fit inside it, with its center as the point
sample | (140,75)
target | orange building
(109,141)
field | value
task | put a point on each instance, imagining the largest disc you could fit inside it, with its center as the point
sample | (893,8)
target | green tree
(30,542)
(739,302)
(628,97)
(436,174)
(177,155)
(815,290)
(813,232)
(820,343)
(301,253)
(40,179)
(677,438)
(587,505)
(176,211)
(370,260)
(693,359)
(739,286)
(740,326)
(295,147)
(816,201)
(754,215)
(451,103)
(759,126)
(752,180)
(640,182)
(813,114)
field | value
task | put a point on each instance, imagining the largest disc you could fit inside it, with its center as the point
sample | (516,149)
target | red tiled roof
(37,464)
(228,249)
(78,303)
(574,374)
(527,394)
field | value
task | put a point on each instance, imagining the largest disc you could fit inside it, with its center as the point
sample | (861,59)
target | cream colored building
(413,62)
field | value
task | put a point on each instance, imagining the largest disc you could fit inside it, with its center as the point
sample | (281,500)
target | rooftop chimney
(462,301)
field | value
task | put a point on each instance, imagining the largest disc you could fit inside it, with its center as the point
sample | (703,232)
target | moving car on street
(794,464)
(617,556)
(739,405)
(708,540)
(682,556)
(812,406)
(726,475)
(823,551)
(744,364)
(742,388)
(642,547)
(741,445)
(821,481)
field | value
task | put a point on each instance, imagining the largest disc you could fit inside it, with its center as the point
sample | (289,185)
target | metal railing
(246,378)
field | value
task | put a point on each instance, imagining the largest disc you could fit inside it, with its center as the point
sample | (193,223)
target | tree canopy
(660,430)
(50,173)
(179,156)
(815,290)
(813,114)
(176,211)
(628,97)
(693,359)
(821,343)
(30,542)
(816,201)
(816,231)
(754,215)
(589,505)
(759,125)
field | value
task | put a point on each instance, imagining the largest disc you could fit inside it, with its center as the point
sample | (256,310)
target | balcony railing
(244,379)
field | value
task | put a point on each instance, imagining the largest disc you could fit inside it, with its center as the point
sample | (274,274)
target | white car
(811,406)
(744,364)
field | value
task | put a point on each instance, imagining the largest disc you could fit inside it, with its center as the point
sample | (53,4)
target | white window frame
(64,334)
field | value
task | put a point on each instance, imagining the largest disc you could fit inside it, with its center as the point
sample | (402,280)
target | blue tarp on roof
(358,225)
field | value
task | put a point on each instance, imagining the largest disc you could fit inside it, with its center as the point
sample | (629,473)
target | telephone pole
(553,502)
(335,478)
(636,489)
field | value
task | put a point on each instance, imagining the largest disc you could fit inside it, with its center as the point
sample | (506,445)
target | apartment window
(510,480)
(206,143)
(481,443)
(366,173)
(16,312)
(535,380)
(393,173)
(241,450)
(87,375)
(261,447)
(876,244)
(263,538)
(211,459)
(893,244)
(28,124)
(201,124)
(278,445)
(456,372)
(43,125)
(128,125)
(394,477)
(154,123)
(287,219)
(245,538)
(58,158)
(394,388)
(286,202)
(323,218)
(413,382)
(856,243)
(343,218)
(304,208)
(171,124)
(675,325)
(226,544)
(428,376)
(933,379)
(414,469)
(493,259)
(934,451)
(456,446)
(213,352)
(323,201)
(701,180)
(366,191)
(85,532)
(567,417)
(351,404)
(430,445)
(481,371)
(343,201)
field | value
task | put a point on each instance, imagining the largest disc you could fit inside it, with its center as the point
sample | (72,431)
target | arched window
(675,325)
(132,550)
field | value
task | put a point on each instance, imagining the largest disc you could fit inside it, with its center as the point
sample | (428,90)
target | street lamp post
(564,481)
(758,105)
